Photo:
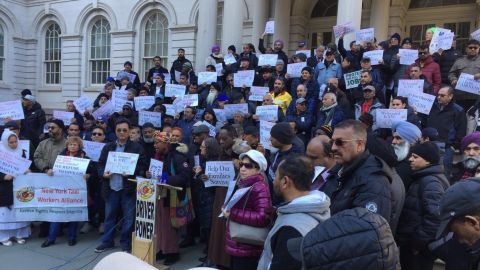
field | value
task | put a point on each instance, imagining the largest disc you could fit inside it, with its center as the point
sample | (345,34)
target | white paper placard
(237,196)
(156,168)
(307,53)
(267,59)
(467,83)
(343,29)
(385,117)
(265,128)
(119,98)
(267,113)
(257,93)
(93,149)
(405,87)
(243,78)
(375,56)
(175,90)
(11,109)
(13,165)
(421,101)
(66,117)
(207,77)
(295,69)
(231,109)
(476,34)
(364,35)
(170,109)
(220,114)
(441,39)
(352,79)
(220,173)
(25,145)
(407,56)
(219,69)
(120,162)
(143,102)
(105,110)
(150,117)
(270,27)
(66,165)
(82,104)
(229,59)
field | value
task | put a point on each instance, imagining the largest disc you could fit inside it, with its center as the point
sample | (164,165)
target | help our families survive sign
(220,173)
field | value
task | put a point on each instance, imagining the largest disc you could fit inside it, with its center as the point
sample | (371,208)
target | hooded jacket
(32,124)
(295,219)
(364,183)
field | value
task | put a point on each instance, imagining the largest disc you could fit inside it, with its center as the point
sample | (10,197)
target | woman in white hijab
(9,229)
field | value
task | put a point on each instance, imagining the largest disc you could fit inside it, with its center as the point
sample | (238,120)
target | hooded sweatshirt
(295,219)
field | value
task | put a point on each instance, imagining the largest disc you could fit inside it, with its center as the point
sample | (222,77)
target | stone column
(232,29)
(379,18)
(259,18)
(206,34)
(282,22)
(349,11)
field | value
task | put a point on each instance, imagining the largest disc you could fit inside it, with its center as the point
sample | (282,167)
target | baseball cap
(458,200)
(300,100)
(30,98)
(200,129)
(369,87)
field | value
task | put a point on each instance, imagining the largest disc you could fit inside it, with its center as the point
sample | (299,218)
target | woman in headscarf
(8,229)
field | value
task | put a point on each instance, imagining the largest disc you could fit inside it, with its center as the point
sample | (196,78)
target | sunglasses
(472,48)
(120,130)
(247,165)
(341,142)
(97,134)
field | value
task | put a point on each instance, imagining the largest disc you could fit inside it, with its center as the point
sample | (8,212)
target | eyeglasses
(120,130)
(97,134)
(341,142)
(247,165)
(442,95)
(472,47)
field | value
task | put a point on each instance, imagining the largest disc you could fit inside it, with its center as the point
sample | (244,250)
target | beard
(148,140)
(471,163)
(211,98)
(401,150)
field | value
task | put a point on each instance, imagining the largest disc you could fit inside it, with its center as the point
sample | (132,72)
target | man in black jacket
(178,65)
(157,69)
(446,59)
(31,126)
(358,179)
(118,191)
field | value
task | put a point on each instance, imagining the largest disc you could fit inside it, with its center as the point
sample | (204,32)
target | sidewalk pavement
(60,256)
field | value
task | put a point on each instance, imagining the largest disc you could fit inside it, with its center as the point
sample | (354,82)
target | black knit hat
(57,122)
(428,151)
(283,133)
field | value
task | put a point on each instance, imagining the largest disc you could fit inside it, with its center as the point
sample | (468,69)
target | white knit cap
(257,157)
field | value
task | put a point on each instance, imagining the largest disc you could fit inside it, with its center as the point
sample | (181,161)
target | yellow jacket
(282,100)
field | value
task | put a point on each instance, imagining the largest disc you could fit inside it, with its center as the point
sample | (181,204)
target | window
(155,40)
(218,38)
(437,3)
(417,33)
(2,52)
(53,54)
(100,52)
(325,8)
(462,31)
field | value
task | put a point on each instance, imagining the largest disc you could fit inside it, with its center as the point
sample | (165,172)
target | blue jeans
(55,228)
(116,201)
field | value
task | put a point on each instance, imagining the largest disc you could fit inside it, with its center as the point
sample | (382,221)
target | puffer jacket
(431,71)
(420,219)
(364,183)
(256,203)
(351,239)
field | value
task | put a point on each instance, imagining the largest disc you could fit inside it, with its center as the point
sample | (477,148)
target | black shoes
(47,243)
(102,247)
(72,242)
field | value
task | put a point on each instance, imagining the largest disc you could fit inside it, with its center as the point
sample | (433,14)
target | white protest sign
(307,53)
(196,159)
(243,78)
(267,59)
(421,101)
(119,98)
(145,209)
(150,117)
(82,104)
(177,75)
(231,109)
(364,35)
(295,69)
(66,165)
(219,69)
(476,34)
(219,173)
(66,117)
(207,77)
(375,56)
(105,110)
(440,40)
(270,27)
(131,77)
(265,128)
(220,114)
(143,102)
(168,77)
(93,149)
(267,113)
(257,93)
(352,79)
(467,83)
(39,197)
(385,117)
(25,145)
(405,87)
(239,194)
(229,59)
(120,162)
(190,100)
(156,168)
(11,109)
(13,165)
(175,90)
(170,109)
(318,171)
(343,29)
(213,129)
(407,56)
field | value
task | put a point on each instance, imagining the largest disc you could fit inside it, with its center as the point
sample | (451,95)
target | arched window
(2,52)
(437,3)
(325,8)
(155,40)
(218,38)
(53,54)
(100,51)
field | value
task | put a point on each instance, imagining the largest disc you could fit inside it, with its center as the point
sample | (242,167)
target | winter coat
(313,61)
(324,73)
(431,71)
(177,65)
(420,218)
(295,219)
(187,127)
(446,61)
(337,116)
(281,54)
(398,71)
(311,104)
(412,117)
(47,152)
(372,110)
(355,56)
(253,59)
(313,89)
(364,183)
(351,239)
(158,70)
(254,214)
(303,123)
(129,187)
(451,123)
(32,124)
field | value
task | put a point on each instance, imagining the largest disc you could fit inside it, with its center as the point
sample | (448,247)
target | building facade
(66,48)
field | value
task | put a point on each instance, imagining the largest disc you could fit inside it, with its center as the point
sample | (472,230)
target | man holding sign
(119,192)
(430,69)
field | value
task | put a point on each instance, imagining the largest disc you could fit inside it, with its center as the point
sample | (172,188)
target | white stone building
(62,49)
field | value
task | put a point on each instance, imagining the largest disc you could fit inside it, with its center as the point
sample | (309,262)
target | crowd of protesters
(331,190)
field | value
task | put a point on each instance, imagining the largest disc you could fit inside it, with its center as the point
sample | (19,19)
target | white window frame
(159,46)
(2,53)
(102,56)
(55,61)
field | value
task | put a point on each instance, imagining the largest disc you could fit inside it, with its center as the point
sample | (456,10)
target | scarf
(4,144)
